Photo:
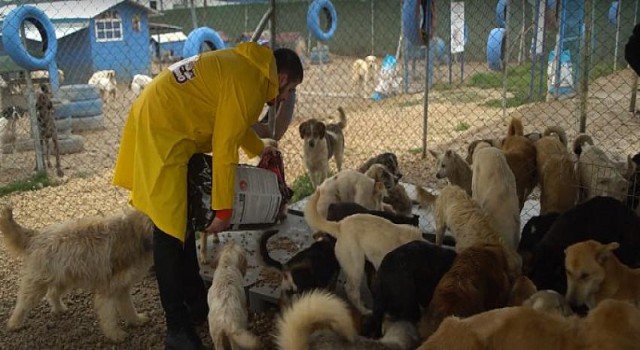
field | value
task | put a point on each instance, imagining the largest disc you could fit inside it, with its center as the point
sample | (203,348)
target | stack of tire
(82,104)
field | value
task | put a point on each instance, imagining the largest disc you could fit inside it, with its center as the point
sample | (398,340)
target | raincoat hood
(262,57)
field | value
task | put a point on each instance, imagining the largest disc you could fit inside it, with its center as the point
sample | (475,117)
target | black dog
(316,267)
(603,219)
(406,280)
(388,159)
(633,194)
(532,233)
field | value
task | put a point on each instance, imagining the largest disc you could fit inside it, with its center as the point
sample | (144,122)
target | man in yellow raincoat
(206,103)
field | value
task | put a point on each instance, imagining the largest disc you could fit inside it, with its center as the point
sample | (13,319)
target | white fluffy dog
(494,187)
(352,186)
(139,82)
(364,72)
(105,80)
(227,301)
(103,255)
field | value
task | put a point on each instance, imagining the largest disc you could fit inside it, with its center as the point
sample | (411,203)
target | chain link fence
(487,61)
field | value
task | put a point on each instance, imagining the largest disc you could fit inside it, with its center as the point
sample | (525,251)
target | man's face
(286,88)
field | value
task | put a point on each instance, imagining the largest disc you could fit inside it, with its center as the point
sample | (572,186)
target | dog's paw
(58,308)
(116,335)
(14,324)
(140,319)
(203,260)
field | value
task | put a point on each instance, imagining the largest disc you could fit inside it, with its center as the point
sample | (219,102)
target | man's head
(290,72)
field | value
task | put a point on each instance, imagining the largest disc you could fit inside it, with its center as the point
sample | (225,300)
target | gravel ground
(392,124)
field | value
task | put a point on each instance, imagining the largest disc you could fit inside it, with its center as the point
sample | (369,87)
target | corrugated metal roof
(84,9)
(169,37)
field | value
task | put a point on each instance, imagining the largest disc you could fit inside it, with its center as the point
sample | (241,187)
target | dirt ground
(456,116)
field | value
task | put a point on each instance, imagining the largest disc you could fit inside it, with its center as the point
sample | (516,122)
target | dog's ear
(605,252)
(243,264)
(435,154)
(304,129)
(379,188)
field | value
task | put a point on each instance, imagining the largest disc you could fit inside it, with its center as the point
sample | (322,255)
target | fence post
(425,106)
(505,61)
(584,81)
(31,107)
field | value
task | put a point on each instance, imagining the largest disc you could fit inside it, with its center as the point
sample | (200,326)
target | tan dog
(549,301)
(321,321)
(521,291)
(106,256)
(613,325)
(556,172)
(452,166)
(227,301)
(477,281)
(494,189)
(321,142)
(595,274)
(598,175)
(364,72)
(360,237)
(351,186)
(521,157)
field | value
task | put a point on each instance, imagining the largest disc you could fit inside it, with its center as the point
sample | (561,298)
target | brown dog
(556,172)
(521,157)
(613,325)
(595,274)
(477,281)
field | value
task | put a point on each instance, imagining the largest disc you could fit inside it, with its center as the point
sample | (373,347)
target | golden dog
(360,237)
(556,172)
(104,255)
(521,156)
(227,301)
(613,325)
(594,273)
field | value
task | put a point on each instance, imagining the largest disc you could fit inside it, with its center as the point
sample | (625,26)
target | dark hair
(288,62)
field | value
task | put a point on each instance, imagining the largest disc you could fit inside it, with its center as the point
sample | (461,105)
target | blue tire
(11,38)
(613,13)
(313,19)
(199,36)
(501,13)
(79,109)
(495,48)
(79,92)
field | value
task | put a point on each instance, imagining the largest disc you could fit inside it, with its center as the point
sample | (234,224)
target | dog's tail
(343,118)
(267,260)
(580,141)
(516,128)
(16,237)
(316,221)
(314,310)
(425,198)
(245,339)
(558,131)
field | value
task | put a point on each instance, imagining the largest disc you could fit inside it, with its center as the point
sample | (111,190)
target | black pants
(182,292)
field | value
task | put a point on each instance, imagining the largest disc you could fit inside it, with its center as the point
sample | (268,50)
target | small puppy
(545,266)
(8,124)
(105,80)
(598,175)
(364,72)
(405,282)
(104,255)
(228,302)
(360,238)
(321,142)
(452,166)
(613,325)
(351,186)
(397,196)
(549,301)
(322,321)
(595,274)
(478,281)
(521,157)
(494,189)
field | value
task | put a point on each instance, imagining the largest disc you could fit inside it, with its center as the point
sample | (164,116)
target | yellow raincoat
(203,104)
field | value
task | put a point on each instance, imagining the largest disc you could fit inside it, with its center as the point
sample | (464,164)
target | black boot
(168,256)
(195,291)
